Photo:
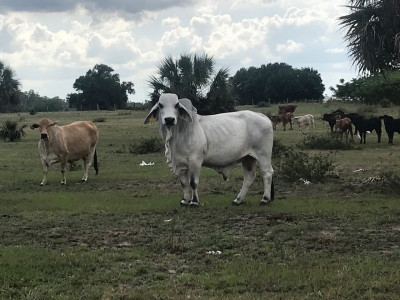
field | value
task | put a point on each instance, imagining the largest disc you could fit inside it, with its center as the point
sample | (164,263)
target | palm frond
(370,31)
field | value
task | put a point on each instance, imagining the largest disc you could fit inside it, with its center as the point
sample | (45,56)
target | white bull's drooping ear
(33,126)
(153,114)
(184,113)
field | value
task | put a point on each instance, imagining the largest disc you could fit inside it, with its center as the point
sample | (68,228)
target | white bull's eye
(160,105)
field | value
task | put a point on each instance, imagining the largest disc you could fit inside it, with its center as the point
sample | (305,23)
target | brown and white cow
(67,143)
(304,121)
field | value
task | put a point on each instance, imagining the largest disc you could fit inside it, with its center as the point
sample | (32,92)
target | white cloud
(335,50)
(289,47)
(171,22)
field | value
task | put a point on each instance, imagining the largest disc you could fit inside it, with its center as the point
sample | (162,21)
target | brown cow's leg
(45,170)
(63,164)
(87,162)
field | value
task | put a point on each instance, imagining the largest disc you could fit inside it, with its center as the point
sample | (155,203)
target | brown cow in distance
(67,143)
(286,108)
(344,125)
(275,120)
(284,118)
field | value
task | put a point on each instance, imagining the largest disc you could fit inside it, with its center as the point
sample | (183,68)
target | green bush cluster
(291,165)
(329,141)
(146,145)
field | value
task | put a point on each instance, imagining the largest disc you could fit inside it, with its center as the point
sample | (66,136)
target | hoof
(42,184)
(194,204)
(264,202)
(236,203)
(83,180)
(185,203)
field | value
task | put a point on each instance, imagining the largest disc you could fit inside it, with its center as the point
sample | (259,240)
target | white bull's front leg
(194,177)
(185,183)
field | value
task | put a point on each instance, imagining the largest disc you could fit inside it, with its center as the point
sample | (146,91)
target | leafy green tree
(372,32)
(100,88)
(9,88)
(371,89)
(189,77)
(277,83)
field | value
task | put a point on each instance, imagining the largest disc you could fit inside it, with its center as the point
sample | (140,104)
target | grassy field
(123,234)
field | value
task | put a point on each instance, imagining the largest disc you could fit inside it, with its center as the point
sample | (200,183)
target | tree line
(277,83)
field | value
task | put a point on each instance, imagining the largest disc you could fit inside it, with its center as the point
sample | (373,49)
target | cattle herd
(340,122)
(192,141)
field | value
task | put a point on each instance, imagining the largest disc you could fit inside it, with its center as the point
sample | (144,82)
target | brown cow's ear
(33,126)
(54,123)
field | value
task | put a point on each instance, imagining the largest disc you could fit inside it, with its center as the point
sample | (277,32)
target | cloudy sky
(50,43)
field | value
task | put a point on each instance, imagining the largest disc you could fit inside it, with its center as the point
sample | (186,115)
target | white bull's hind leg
(249,174)
(267,172)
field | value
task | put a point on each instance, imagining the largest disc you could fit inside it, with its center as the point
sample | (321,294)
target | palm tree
(372,31)
(10,131)
(9,86)
(191,77)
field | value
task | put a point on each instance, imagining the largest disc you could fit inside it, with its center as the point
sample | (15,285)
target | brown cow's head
(43,126)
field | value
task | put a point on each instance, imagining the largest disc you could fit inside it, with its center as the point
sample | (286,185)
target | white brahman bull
(67,143)
(304,121)
(216,141)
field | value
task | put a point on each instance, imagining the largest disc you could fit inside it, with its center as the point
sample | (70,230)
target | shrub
(10,131)
(329,141)
(146,145)
(263,104)
(368,110)
(385,103)
(291,165)
(99,120)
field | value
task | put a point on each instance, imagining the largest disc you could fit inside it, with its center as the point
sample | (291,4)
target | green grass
(123,234)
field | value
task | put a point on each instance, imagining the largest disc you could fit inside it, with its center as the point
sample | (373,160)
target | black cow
(391,126)
(363,125)
(331,118)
